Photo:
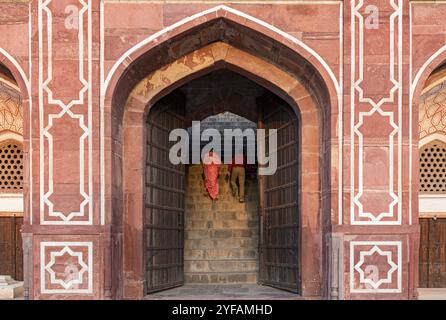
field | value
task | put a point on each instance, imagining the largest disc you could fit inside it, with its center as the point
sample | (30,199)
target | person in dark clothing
(237,172)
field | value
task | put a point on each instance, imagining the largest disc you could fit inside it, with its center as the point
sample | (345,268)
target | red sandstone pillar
(379,226)
(64,228)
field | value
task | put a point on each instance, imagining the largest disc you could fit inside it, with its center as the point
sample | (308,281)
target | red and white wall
(375,58)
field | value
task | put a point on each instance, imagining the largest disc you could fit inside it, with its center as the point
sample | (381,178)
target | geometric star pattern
(69,268)
(66,282)
(370,280)
(375,266)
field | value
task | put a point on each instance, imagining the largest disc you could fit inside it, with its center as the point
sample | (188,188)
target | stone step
(201,198)
(220,215)
(220,254)
(196,183)
(204,203)
(218,244)
(198,168)
(219,224)
(241,266)
(221,237)
(221,278)
(220,233)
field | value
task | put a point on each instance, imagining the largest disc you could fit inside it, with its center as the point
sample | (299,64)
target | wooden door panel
(7,246)
(164,200)
(433,253)
(280,233)
(437,257)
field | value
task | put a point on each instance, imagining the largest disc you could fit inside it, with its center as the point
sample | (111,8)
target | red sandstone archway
(427,77)
(23,84)
(206,20)
(421,78)
(19,78)
(287,74)
(422,74)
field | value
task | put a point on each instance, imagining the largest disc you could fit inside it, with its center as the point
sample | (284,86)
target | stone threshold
(223,292)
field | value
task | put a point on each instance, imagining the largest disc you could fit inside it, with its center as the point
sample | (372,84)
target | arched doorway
(11,183)
(220,43)
(191,239)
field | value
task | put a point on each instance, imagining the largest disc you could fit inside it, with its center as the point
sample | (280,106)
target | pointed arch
(24,85)
(17,71)
(127,157)
(235,16)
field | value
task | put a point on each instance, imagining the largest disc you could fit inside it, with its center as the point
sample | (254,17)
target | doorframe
(315,178)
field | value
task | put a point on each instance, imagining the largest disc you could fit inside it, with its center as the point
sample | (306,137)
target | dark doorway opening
(257,241)
(11,176)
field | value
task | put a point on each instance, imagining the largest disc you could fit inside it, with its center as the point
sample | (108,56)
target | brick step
(221,265)
(220,254)
(221,278)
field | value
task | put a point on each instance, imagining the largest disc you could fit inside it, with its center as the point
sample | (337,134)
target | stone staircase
(221,238)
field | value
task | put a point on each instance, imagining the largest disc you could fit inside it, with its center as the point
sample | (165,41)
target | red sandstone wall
(66,227)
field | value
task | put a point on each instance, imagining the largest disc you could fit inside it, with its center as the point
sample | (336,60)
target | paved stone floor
(223,292)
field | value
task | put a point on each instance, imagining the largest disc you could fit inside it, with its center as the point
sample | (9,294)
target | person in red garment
(211,172)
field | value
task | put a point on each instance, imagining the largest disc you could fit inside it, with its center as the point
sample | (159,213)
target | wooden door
(6,246)
(433,253)
(279,208)
(11,252)
(164,199)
